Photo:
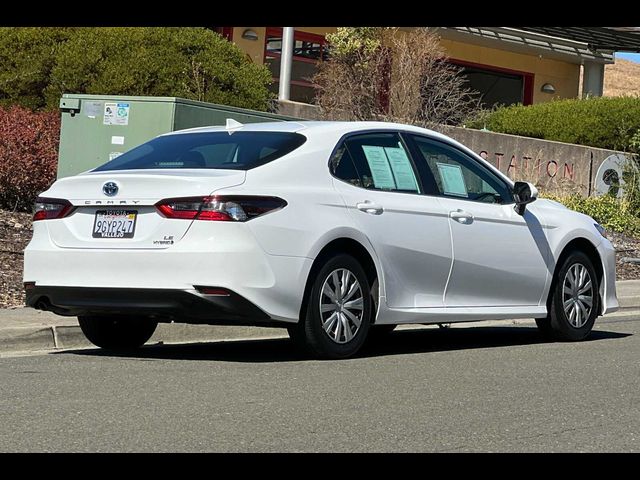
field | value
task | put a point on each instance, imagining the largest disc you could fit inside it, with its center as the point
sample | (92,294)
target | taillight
(229,208)
(214,291)
(51,208)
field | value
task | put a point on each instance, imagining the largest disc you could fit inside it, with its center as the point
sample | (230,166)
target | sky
(634,57)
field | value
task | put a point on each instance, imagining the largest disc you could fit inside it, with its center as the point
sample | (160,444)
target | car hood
(548,203)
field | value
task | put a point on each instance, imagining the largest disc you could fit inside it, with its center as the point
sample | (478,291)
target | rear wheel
(338,311)
(117,333)
(575,301)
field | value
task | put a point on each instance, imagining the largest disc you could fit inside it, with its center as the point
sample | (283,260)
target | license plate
(114,224)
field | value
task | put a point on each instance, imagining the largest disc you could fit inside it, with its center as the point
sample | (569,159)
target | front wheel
(575,301)
(117,333)
(338,310)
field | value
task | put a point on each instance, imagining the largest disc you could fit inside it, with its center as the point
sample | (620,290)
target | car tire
(332,309)
(575,300)
(117,333)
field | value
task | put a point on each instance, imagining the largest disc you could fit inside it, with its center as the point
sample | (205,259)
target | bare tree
(392,75)
(350,84)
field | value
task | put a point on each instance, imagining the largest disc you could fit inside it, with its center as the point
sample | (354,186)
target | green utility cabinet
(98,128)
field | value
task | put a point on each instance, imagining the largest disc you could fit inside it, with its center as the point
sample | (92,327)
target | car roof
(309,127)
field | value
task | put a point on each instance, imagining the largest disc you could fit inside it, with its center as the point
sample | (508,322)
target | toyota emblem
(110,189)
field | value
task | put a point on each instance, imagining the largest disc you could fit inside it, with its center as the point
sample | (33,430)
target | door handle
(461,216)
(370,208)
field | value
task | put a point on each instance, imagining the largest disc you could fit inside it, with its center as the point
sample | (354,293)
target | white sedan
(330,229)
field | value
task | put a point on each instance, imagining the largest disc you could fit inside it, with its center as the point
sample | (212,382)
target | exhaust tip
(43,303)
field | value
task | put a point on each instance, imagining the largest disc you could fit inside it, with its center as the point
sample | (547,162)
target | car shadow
(403,342)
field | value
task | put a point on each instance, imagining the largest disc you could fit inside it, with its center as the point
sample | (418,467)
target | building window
(308,49)
(497,86)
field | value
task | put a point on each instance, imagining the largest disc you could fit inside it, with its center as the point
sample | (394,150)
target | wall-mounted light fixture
(548,88)
(249,34)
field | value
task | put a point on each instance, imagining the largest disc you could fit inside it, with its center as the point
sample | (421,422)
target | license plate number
(114,224)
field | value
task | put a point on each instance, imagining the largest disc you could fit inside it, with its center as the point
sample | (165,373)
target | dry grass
(622,78)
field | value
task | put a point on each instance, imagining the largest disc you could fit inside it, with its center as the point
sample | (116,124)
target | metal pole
(286,60)
(590,174)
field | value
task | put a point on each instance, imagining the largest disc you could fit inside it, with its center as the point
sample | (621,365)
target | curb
(21,339)
(45,339)
(18,340)
(629,302)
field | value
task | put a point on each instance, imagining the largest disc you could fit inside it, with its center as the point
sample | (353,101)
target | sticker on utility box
(92,109)
(116,114)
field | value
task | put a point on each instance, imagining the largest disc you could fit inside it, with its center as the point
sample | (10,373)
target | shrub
(38,65)
(634,142)
(28,155)
(603,122)
(613,214)
(27,55)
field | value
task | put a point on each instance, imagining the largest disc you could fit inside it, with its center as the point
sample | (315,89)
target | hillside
(622,78)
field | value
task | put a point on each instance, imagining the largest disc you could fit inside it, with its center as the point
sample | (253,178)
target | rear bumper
(224,256)
(162,304)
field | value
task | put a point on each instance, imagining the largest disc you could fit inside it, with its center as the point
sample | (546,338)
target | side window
(381,162)
(459,176)
(343,168)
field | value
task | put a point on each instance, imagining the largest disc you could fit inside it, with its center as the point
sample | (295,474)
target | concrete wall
(553,166)
(299,110)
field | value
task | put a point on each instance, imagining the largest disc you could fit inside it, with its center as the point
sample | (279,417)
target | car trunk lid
(128,218)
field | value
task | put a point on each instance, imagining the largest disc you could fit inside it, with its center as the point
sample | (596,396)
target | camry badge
(110,189)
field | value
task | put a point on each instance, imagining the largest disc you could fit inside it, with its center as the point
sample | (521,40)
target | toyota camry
(333,230)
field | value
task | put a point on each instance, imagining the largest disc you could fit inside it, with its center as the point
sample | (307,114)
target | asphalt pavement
(467,388)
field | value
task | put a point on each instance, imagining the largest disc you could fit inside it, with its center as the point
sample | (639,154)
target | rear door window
(376,161)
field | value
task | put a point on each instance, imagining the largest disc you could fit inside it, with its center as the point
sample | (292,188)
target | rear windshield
(216,150)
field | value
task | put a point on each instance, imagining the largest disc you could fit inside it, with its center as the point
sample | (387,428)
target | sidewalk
(28,330)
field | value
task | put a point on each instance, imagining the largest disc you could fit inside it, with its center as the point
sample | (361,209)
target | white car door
(409,231)
(500,257)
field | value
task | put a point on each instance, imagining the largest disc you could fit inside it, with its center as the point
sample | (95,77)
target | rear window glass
(214,150)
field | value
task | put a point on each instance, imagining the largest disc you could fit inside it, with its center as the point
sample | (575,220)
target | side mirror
(523,194)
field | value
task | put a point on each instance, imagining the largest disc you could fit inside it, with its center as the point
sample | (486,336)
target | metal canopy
(615,39)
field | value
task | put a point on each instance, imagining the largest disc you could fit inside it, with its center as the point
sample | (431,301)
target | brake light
(228,208)
(51,208)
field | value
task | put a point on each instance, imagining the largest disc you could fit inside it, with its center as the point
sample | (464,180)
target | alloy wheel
(341,306)
(577,295)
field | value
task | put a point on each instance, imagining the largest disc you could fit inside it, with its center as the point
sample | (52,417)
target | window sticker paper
(452,179)
(379,166)
(402,169)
